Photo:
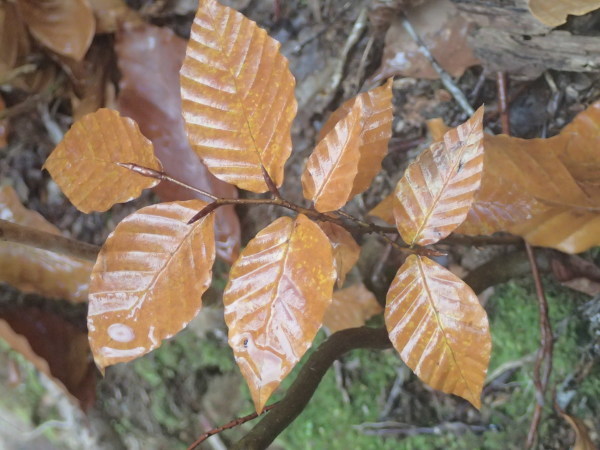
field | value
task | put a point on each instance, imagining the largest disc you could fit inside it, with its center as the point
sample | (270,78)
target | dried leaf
(376,131)
(238,98)
(55,347)
(3,126)
(149,59)
(385,209)
(351,307)
(554,13)
(14,42)
(65,27)
(439,328)
(275,301)
(112,14)
(583,440)
(33,270)
(332,167)
(517,194)
(345,249)
(437,190)
(84,165)
(444,32)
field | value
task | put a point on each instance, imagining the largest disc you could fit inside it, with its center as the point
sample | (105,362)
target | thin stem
(229,425)
(21,234)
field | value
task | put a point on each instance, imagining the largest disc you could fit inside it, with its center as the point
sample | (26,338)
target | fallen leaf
(444,32)
(112,14)
(439,328)
(237,97)
(435,193)
(34,270)
(375,133)
(149,59)
(332,167)
(554,13)
(14,42)
(65,27)
(84,163)
(351,307)
(275,300)
(345,249)
(55,347)
(148,281)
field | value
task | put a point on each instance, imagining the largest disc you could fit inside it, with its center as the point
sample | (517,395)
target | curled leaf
(351,307)
(34,270)
(375,133)
(275,301)
(148,280)
(554,13)
(331,169)
(345,249)
(437,190)
(237,97)
(84,163)
(439,328)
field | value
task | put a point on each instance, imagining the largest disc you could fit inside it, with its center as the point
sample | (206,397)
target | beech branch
(307,381)
(21,234)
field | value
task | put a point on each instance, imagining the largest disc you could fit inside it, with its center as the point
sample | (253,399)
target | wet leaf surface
(439,328)
(376,131)
(351,307)
(55,347)
(84,165)
(148,281)
(554,13)
(65,27)
(345,249)
(33,270)
(149,59)
(332,167)
(275,300)
(436,192)
(238,98)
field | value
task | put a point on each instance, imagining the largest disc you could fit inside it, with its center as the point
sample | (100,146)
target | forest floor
(369,399)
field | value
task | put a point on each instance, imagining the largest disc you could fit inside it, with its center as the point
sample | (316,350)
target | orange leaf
(33,270)
(275,301)
(439,328)
(376,131)
(238,98)
(149,60)
(55,347)
(332,167)
(14,42)
(351,307)
(583,440)
(148,280)
(517,194)
(65,27)
(114,14)
(554,13)
(385,209)
(84,165)
(437,190)
(345,249)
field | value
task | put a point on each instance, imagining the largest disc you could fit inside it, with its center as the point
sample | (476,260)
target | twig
(234,423)
(307,381)
(543,363)
(33,237)
(403,429)
(446,79)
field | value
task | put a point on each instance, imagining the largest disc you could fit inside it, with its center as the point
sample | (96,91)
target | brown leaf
(518,195)
(554,13)
(332,167)
(238,98)
(444,32)
(148,280)
(65,27)
(385,209)
(345,249)
(111,14)
(33,270)
(376,131)
(437,190)
(55,347)
(439,328)
(351,307)
(14,42)
(275,301)
(149,59)
(3,126)
(84,165)
(583,440)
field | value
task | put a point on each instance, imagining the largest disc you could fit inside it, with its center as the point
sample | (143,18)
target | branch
(21,234)
(307,381)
